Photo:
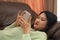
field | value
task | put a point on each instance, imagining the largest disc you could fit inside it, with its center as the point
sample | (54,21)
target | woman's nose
(37,20)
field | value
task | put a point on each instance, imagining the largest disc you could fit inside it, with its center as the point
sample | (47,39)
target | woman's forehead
(43,15)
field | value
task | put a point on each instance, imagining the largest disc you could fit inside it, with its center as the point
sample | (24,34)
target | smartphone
(26,15)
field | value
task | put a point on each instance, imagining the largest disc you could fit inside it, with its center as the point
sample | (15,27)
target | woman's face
(40,22)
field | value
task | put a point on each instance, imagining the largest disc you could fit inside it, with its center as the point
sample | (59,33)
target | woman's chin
(35,26)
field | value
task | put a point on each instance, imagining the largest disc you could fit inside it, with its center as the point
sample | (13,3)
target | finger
(22,13)
(21,18)
(21,22)
(19,12)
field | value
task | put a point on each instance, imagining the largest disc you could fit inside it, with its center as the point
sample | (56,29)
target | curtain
(51,5)
(22,1)
(55,7)
(36,5)
(39,5)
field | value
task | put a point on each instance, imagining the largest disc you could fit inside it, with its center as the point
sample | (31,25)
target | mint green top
(13,32)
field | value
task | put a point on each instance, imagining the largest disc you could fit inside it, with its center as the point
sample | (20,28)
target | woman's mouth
(36,23)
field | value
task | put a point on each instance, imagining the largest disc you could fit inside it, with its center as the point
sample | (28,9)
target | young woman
(45,21)
(22,31)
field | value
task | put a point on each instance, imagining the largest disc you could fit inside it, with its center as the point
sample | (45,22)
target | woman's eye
(43,19)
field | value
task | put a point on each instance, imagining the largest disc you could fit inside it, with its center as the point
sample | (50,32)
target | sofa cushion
(54,32)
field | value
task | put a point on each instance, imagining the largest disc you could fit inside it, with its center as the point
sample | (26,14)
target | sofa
(54,32)
(9,11)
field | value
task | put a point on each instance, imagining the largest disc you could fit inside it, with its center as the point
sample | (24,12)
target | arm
(26,37)
(11,26)
(26,29)
(35,35)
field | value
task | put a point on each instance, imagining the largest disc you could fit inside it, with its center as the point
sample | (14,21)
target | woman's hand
(25,25)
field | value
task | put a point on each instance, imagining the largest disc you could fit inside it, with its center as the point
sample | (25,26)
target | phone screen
(26,15)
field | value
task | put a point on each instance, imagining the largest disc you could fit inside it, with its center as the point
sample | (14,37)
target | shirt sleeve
(35,36)
(1,34)
(10,26)
(38,36)
(26,37)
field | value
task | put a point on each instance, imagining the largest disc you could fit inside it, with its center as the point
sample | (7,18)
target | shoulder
(38,35)
(38,32)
